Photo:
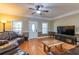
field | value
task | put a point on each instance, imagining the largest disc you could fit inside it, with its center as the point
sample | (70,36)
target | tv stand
(66,38)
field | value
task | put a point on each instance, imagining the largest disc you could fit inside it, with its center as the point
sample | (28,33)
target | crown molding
(67,14)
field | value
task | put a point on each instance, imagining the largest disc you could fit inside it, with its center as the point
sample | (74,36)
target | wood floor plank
(35,47)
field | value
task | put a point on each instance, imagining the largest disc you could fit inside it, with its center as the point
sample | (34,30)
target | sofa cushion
(7,49)
(73,51)
(2,42)
(4,36)
(12,35)
(18,40)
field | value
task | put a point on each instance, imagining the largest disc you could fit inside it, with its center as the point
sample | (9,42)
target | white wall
(25,21)
(25,25)
(40,21)
(71,20)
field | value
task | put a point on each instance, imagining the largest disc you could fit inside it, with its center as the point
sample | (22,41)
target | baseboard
(40,37)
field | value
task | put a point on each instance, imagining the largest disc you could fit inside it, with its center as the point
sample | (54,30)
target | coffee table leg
(48,49)
(60,47)
(44,48)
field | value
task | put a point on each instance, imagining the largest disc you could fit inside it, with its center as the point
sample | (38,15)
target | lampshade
(3,21)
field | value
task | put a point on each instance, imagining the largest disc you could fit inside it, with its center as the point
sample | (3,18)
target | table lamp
(3,22)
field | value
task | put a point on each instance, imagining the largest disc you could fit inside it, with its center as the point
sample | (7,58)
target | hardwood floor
(35,47)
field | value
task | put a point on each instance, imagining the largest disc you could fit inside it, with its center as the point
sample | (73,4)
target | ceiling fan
(38,9)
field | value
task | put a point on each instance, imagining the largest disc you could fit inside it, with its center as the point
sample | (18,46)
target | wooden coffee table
(52,43)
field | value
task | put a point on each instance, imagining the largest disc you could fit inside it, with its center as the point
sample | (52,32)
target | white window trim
(17,21)
(43,29)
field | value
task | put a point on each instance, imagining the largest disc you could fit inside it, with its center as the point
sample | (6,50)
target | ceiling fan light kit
(38,12)
(38,9)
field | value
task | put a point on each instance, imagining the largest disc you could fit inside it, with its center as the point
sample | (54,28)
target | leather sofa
(73,51)
(11,38)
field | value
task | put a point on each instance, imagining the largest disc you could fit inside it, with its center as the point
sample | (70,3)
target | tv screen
(68,30)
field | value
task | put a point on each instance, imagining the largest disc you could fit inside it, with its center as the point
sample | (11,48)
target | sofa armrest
(2,42)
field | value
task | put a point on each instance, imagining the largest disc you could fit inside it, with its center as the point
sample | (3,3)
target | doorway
(33,29)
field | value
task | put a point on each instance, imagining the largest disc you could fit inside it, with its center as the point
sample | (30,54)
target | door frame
(36,32)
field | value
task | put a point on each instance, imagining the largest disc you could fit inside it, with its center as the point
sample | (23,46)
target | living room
(35,29)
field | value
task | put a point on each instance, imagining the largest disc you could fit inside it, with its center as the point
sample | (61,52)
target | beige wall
(24,24)
(9,19)
(51,25)
(71,20)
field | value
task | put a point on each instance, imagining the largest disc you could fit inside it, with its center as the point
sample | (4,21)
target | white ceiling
(56,10)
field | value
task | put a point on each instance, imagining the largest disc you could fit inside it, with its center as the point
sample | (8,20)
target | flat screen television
(67,30)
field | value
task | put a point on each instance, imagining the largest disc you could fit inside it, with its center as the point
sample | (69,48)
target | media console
(66,38)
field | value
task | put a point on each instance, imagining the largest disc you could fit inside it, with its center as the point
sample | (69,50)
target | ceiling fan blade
(31,8)
(33,12)
(45,10)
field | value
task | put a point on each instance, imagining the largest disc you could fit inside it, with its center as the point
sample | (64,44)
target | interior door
(33,29)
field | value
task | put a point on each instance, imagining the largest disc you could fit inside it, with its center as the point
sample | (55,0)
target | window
(44,28)
(17,27)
